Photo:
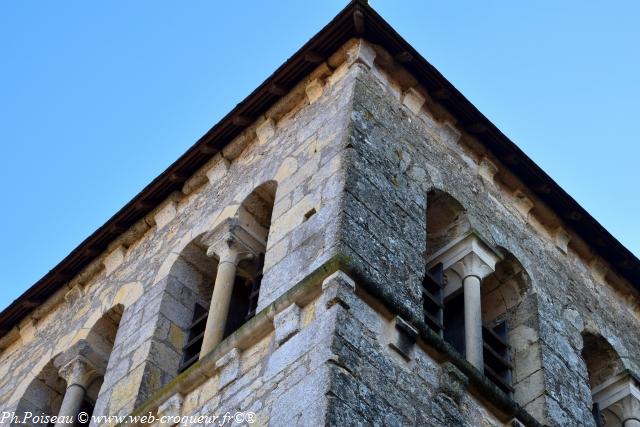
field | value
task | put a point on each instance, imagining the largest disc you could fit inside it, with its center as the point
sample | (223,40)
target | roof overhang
(356,20)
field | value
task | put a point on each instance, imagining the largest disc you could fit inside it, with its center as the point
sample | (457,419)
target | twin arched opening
(474,295)
(238,244)
(72,381)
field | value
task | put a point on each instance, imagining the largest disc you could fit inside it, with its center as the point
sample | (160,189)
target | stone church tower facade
(354,244)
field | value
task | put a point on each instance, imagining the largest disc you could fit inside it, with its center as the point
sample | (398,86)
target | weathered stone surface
(287,323)
(354,167)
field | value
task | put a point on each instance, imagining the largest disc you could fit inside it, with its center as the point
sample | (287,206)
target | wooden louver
(433,297)
(191,350)
(497,356)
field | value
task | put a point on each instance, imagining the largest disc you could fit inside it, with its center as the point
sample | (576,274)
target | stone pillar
(78,373)
(473,321)
(231,244)
(466,262)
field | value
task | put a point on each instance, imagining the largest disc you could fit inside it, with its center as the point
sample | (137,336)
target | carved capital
(232,242)
(619,399)
(464,257)
(473,265)
(79,371)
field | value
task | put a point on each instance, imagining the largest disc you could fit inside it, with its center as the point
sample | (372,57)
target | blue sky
(97,98)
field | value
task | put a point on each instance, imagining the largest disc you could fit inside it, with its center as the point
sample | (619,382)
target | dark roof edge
(357,19)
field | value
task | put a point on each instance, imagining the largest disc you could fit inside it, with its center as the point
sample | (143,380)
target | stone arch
(43,396)
(188,287)
(615,393)
(191,273)
(256,209)
(446,219)
(101,341)
(601,359)
(504,291)
(254,214)
(509,308)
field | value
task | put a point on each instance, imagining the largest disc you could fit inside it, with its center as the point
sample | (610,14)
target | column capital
(78,371)
(619,399)
(466,256)
(231,242)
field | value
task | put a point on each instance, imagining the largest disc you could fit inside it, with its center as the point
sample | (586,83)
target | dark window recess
(497,356)
(87,408)
(432,296)
(244,301)
(239,306)
(255,289)
(597,415)
(191,350)
(454,322)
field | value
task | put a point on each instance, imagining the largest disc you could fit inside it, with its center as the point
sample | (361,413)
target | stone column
(466,262)
(78,373)
(473,321)
(235,244)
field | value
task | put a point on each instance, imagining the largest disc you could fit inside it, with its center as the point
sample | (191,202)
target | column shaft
(220,301)
(473,322)
(71,403)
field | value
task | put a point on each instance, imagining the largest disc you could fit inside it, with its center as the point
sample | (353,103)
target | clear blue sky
(97,98)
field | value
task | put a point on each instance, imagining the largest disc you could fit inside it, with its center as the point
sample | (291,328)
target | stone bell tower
(353,244)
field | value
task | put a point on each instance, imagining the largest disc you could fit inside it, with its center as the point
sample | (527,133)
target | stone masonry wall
(398,151)
(327,361)
(354,150)
(298,146)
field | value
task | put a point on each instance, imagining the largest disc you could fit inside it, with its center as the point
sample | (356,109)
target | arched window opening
(72,381)
(471,292)
(194,274)
(601,359)
(44,395)
(239,244)
(503,293)
(615,393)
(447,221)
(101,340)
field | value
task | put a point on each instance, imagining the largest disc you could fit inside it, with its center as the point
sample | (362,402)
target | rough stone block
(300,398)
(228,367)
(413,100)
(522,203)
(487,169)
(599,269)
(313,90)
(287,168)
(165,214)
(404,339)
(362,53)
(338,288)
(265,130)
(293,217)
(114,259)
(218,170)
(287,323)
(562,238)
(529,388)
(171,407)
